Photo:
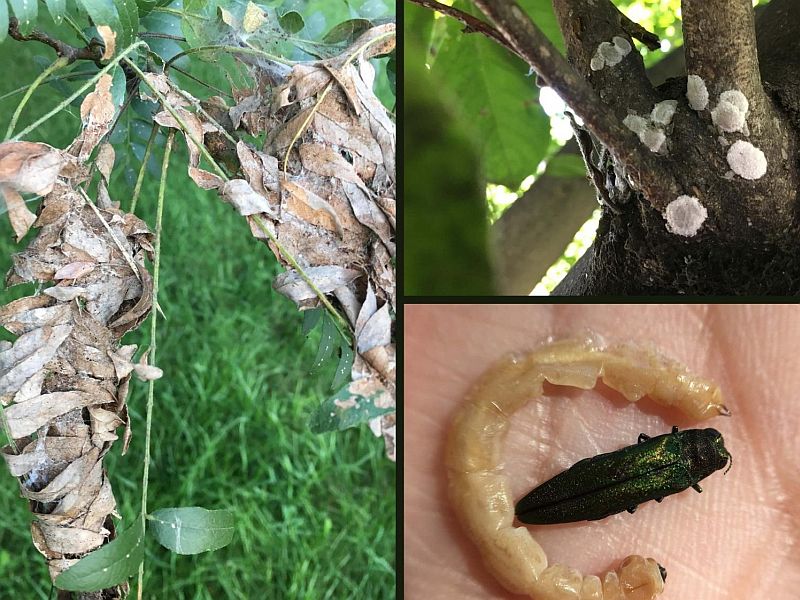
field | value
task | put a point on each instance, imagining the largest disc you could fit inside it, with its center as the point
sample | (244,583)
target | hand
(738,539)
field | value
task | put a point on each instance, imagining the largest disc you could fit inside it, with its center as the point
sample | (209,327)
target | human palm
(738,539)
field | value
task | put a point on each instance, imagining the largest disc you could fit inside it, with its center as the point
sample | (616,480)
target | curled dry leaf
(18,214)
(246,201)
(323,184)
(109,39)
(105,160)
(97,113)
(64,380)
(327,279)
(254,17)
(26,167)
(29,166)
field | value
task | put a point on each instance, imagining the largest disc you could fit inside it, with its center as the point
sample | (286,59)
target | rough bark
(530,236)
(747,244)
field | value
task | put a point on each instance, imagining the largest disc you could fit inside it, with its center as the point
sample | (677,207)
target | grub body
(479,488)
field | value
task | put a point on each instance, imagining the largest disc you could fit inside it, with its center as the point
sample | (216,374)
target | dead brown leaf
(310,207)
(18,214)
(109,39)
(326,278)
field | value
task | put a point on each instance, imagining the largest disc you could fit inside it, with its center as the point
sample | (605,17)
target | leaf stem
(80,90)
(232,50)
(60,62)
(181,122)
(152,349)
(339,321)
(73,75)
(149,148)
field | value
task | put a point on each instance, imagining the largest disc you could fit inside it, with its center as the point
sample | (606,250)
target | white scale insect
(480,491)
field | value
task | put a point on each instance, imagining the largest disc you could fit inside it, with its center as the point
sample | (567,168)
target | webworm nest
(480,491)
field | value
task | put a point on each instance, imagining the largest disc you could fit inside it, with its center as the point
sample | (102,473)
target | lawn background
(315,514)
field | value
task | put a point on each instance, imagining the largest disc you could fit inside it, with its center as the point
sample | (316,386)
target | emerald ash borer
(603,485)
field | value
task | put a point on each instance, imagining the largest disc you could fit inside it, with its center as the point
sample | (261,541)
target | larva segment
(480,492)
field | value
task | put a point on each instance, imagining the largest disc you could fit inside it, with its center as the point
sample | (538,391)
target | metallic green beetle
(597,487)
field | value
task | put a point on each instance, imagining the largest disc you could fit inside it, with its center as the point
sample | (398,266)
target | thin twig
(80,91)
(339,321)
(73,75)
(126,255)
(636,31)
(171,110)
(138,187)
(232,50)
(62,61)
(201,82)
(93,51)
(473,24)
(152,349)
(161,36)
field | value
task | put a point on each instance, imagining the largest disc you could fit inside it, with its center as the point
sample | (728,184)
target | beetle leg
(674,429)
(632,509)
(697,487)
(643,437)
(659,499)
(663,572)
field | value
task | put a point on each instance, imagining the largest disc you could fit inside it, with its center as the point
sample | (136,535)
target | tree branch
(532,45)
(472,24)
(93,51)
(529,236)
(720,40)
(589,27)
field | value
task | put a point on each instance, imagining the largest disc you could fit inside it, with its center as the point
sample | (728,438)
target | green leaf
(498,100)
(57,9)
(344,367)
(446,223)
(192,529)
(291,22)
(566,165)
(26,12)
(102,12)
(170,24)
(346,32)
(348,408)
(129,23)
(146,6)
(329,339)
(107,566)
(3,20)
(390,72)
(311,317)
(201,24)
(118,87)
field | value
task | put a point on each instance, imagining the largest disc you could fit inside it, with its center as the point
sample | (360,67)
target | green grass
(315,513)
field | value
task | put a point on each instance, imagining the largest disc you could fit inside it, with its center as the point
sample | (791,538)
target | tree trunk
(699,177)
(748,243)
